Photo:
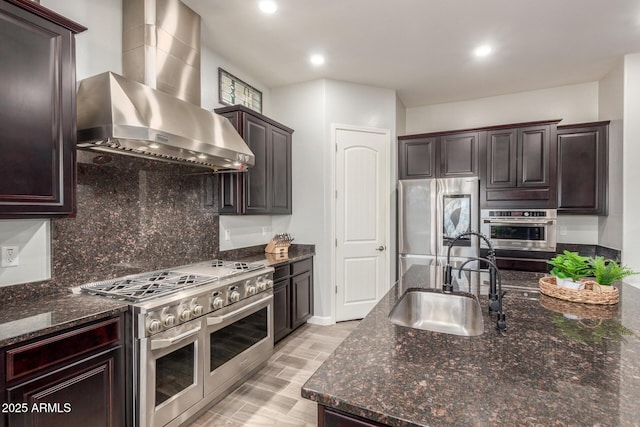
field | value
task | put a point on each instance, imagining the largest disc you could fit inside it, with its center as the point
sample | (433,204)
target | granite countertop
(296,252)
(31,318)
(558,363)
(26,318)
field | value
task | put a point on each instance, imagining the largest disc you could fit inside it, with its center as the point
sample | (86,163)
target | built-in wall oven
(522,239)
(197,331)
(525,230)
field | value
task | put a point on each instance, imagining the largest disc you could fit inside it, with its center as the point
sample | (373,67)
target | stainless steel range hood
(152,111)
(123,116)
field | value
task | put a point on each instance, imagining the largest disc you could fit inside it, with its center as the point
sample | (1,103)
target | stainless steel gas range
(196,332)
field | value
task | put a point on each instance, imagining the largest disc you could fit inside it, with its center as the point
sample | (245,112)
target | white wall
(311,108)
(303,108)
(98,49)
(33,239)
(630,169)
(367,107)
(574,104)
(611,107)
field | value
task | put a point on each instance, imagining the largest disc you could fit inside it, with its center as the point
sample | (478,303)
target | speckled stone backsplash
(134,215)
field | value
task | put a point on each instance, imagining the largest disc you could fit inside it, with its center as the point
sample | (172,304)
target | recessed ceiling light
(317,59)
(483,50)
(268,6)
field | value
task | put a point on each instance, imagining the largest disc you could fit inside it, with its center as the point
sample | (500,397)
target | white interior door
(362,220)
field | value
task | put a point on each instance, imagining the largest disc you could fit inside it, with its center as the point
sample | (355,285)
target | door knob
(380,248)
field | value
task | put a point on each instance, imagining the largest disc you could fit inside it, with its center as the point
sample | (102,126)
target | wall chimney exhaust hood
(153,110)
(123,116)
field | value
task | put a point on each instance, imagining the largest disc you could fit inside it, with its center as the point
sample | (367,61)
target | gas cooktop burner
(241,266)
(147,286)
(226,268)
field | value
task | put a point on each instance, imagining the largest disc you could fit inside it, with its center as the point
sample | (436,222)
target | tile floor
(272,396)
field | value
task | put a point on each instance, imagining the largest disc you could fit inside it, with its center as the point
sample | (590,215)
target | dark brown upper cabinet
(583,168)
(438,155)
(518,166)
(265,188)
(38,111)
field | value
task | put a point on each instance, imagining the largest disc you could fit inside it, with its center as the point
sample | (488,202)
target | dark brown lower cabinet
(87,391)
(281,309)
(328,417)
(301,298)
(72,378)
(292,296)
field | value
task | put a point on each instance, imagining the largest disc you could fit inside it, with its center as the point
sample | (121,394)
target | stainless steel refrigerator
(431,212)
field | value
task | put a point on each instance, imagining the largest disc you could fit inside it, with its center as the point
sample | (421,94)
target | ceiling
(424,48)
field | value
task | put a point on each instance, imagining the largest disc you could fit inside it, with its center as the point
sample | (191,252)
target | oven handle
(518,221)
(216,320)
(168,342)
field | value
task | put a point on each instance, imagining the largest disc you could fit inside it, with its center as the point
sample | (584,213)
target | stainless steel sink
(456,314)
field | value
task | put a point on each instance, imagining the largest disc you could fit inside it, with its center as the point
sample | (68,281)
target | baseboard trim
(321,320)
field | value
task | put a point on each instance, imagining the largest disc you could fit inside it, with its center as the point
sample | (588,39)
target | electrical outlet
(264,231)
(227,234)
(9,256)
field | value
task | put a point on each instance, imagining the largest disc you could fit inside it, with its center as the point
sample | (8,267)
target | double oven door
(186,367)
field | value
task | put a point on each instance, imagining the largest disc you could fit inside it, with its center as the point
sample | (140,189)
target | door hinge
(336,148)
(336,243)
(336,289)
(336,194)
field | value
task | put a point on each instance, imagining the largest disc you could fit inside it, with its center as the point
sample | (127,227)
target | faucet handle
(447,286)
(501,324)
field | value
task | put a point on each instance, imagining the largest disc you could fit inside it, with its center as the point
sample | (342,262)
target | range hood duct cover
(119,115)
(153,110)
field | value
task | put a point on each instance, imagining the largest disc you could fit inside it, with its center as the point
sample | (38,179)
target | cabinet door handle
(381,248)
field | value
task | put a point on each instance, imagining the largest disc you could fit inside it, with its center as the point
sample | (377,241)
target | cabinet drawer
(30,358)
(281,272)
(301,266)
(280,283)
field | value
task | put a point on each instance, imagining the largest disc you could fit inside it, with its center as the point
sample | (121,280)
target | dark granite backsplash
(589,250)
(134,215)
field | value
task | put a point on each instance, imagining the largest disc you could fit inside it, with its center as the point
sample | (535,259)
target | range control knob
(262,285)
(251,290)
(269,283)
(185,315)
(234,295)
(154,326)
(217,303)
(196,309)
(168,320)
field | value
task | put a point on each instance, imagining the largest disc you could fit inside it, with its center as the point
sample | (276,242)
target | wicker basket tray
(580,310)
(593,293)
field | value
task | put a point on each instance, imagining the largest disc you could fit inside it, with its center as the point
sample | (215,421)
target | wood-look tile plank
(272,397)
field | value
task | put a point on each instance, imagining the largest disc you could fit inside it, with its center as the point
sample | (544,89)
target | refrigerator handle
(434,244)
(437,219)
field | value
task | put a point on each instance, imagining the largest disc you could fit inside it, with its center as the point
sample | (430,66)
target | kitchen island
(557,364)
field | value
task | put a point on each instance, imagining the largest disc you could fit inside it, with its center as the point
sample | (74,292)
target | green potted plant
(569,268)
(607,271)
